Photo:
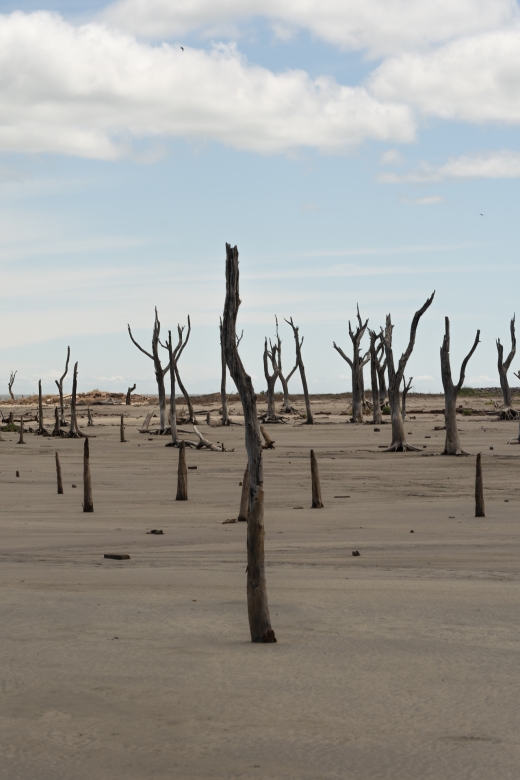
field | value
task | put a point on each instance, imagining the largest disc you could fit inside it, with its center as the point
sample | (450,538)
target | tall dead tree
(160,372)
(381,374)
(174,354)
(191,411)
(270,356)
(310,419)
(507,412)
(11,383)
(41,430)
(287,406)
(406,389)
(223,394)
(377,417)
(128,400)
(59,384)
(451,391)
(356,366)
(395,377)
(257,604)
(74,431)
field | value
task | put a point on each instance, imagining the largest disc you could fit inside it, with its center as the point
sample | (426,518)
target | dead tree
(381,375)
(88,504)
(395,377)
(377,417)
(129,392)
(160,372)
(257,603)
(174,355)
(317,503)
(41,430)
(11,383)
(270,356)
(451,391)
(20,440)
(182,475)
(287,406)
(310,419)
(59,384)
(406,389)
(507,412)
(58,474)
(90,419)
(223,394)
(74,431)
(269,443)
(356,366)
(479,489)
(56,431)
(122,430)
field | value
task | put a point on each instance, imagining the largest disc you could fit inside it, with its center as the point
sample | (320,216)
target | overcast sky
(363,151)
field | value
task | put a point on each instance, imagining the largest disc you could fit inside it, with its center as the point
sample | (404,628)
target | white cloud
(90,91)
(391,157)
(504,164)
(380,26)
(426,200)
(474,79)
(424,378)
(474,380)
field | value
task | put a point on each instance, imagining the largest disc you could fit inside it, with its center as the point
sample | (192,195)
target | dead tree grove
(299,362)
(356,365)
(507,412)
(160,372)
(395,377)
(257,604)
(59,383)
(451,391)
(287,406)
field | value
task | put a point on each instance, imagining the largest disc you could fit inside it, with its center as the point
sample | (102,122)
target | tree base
(402,446)
(508,414)
(457,454)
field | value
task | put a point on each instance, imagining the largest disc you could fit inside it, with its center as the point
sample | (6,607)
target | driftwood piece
(146,423)
(309,418)
(269,443)
(479,489)
(128,399)
(20,440)
(257,603)
(182,475)
(244,498)
(452,445)
(11,383)
(317,503)
(59,384)
(88,504)
(58,474)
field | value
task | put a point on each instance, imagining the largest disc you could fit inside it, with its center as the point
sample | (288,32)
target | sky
(363,152)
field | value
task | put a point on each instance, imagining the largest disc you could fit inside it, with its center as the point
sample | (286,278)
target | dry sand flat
(400,664)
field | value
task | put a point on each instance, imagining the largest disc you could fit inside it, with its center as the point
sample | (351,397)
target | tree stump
(20,440)
(317,503)
(58,473)
(88,504)
(182,475)
(479,489)
(122,429)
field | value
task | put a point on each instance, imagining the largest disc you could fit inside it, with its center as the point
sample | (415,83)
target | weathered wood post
(41,429)
(244,499)
(182,475)
(269,443)
(88,504)
(20,440)
(317,503)
(257,604)
(122,428)
(58,472)
(90,423)
(479,489)
(129,392)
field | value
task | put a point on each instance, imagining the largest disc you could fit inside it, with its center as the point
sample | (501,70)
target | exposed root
(274,419)
(508,414)
(402,446)
(514,441)
(457,454)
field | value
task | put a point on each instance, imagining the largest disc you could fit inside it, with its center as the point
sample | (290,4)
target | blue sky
(348,154)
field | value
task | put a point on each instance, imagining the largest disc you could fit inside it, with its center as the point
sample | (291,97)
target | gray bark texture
(88,504)
(479,489)
(258,607)
(395,377)
(11,383)
(59,383)
(377,417)
(507,412)
(270,357)
(122,430)
(451,391)
(41,430)
(160,372)
(356,366)
(223,393)
(309,419)
(74,432)
(182,475)
(317,503)
(406,389)
(129,392)
(58,475)
(244,498)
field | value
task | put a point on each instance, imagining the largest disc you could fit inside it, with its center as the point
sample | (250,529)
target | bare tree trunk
(88,504)
(383,392)
(182,475)
(507,412)
(270,379)
(74,431)
(160,372)
(395,377)
(356,366)
(451,391)
(59,383)
(56,431)
(316,485)
(41,430)
(479,489)
(58,473)
(90,419)
(377,417)
(146,421)
(174,355)
(258,608)
(269,443)
(129,395)
(406,389)
(191,412)
(122,429)
(20,440)
(287,406)
(223,394)
(299,361)
(244,499)
(11,383)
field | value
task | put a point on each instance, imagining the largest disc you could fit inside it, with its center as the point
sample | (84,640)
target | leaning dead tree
(11,383)
(128,400)
(406,389)
(191,413)
(59,384)
(377,417)
(357,364)
(395,377)
(507,412)
(41,429)
(257,604)
(270,357)
(160,372)
(287,406)
(451,391)
(299,362)
(174,354)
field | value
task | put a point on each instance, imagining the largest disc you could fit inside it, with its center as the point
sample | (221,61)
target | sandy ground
(400,664)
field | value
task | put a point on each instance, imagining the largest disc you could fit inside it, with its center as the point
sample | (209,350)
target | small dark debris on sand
(155,531)
(117,556)
(355,553)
